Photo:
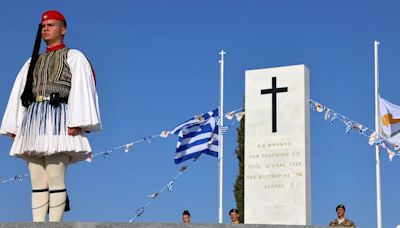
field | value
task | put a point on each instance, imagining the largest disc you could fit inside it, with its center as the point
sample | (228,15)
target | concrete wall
(137,225)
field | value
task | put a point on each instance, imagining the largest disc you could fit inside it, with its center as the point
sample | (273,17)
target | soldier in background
(234,215)
(341,221)
(186,217)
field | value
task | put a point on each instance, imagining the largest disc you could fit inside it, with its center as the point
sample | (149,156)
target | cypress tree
(239,184)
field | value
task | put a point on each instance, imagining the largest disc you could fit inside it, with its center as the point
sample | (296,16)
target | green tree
(239,184)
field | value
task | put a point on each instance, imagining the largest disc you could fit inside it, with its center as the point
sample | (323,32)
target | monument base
(137,225)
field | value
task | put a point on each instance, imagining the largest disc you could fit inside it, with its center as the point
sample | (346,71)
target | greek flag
(197,136)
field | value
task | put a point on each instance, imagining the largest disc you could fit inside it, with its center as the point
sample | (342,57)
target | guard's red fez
(52,14)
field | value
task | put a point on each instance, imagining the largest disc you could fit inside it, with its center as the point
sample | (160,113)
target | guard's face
(53,30)
(234,216)
(340,212)
(186,219)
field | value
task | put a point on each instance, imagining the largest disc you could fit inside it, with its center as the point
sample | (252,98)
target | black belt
(54,99)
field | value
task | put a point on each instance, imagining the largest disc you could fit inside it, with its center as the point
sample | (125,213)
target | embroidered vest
(52,74)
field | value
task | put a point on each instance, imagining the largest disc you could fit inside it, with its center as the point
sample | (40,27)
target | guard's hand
(74,131)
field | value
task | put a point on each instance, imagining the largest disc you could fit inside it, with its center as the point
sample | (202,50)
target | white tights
(48,174)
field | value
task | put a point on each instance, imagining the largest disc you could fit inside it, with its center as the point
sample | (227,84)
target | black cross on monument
(274,91)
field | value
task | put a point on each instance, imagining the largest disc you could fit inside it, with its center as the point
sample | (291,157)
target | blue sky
(157,65)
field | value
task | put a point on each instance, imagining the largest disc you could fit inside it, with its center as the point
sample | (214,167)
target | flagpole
(221,137)
(377,153)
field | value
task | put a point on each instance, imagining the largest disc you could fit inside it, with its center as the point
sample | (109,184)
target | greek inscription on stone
(255,166)
(295,164)
(274,176)
(276,165)
(274,145)
(274,186)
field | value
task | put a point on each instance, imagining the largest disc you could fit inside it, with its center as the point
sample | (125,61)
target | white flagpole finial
(222,53)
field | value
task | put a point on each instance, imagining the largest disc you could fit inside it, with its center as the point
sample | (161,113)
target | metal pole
(377,153)
(221,138)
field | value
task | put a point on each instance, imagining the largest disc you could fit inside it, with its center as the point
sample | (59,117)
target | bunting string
(18,178)
(139,212)
(373,138)
(235,116)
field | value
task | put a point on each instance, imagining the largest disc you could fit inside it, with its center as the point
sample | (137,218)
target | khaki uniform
(346,223)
